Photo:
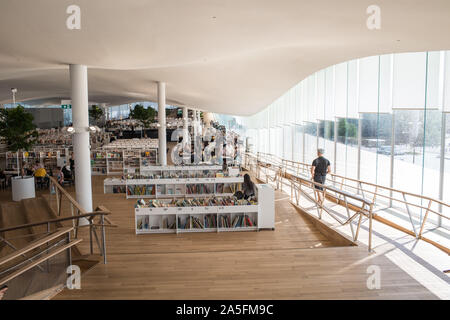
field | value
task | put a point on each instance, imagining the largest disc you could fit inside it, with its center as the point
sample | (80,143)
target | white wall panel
(329,93)
(368,84)
(409,80)
(435,80)
(321,94)
(353,89)
(447,82)
(340,102)
(386,78)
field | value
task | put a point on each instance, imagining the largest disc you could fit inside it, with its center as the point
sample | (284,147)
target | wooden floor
(295,261)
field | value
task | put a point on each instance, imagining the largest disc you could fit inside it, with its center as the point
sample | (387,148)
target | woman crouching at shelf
(248,187)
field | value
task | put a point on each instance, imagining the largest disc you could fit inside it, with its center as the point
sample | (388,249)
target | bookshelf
(30,158)
(131,159)
(221,214)
(98,162)
(114,162)
(49,159)
(148,158)
(12,163)
(114,185)
(181,181)
(182,187)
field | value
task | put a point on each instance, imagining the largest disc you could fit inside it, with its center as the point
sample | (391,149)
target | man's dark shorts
(319,179)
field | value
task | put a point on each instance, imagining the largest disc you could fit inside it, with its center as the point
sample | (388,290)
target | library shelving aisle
(215,214)
(181,181)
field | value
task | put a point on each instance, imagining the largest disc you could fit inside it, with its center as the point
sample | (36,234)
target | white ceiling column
(162,123)
(80,114)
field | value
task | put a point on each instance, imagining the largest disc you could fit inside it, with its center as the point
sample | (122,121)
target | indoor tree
(18,130)
(95,113)
(144,116)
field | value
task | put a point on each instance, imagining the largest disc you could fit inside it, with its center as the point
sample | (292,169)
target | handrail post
(48,245)
(102,217)
(425,219)
(370,227)
(90,236)
(57,198)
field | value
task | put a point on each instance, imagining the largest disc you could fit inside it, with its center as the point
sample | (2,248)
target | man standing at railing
(320,167)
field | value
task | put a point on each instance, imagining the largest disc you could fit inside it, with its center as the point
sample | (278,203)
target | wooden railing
(77,211)
(276,170)
(37,258)
(91,224)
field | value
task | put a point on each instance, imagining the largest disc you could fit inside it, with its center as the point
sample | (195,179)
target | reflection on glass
(310,142)
(298,143)
(375,148)
(347,148)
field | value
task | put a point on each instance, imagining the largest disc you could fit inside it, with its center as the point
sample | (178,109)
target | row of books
(195,202)
(177,175)
(195,222)
(201,188)
(239,221)
(168,225)
(141,190)
(118,189)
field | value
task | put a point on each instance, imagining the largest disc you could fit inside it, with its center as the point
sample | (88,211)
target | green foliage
(144,116)
(95,113)
(17,128)
(347,129)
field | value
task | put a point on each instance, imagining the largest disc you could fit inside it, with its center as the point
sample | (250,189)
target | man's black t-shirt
(321,165)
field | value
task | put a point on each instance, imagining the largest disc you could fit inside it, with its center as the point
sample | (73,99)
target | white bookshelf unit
(228,218)
(181,181)
(98,162)
(180,187)
(12,163)
(114,162)
(114,185)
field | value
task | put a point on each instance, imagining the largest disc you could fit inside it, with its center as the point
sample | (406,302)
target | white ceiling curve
(232,57)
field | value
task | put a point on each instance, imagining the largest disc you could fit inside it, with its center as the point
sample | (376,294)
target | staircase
(38,249)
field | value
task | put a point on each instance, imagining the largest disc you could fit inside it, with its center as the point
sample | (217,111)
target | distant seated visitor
(39,170)
(26,170)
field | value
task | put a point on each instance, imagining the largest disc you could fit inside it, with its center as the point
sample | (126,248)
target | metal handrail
(40,223)
(282,171)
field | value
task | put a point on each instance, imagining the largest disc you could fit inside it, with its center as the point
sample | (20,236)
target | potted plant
(144,116)
(20,134)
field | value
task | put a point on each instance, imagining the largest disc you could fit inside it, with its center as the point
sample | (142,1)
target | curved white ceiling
(225,56)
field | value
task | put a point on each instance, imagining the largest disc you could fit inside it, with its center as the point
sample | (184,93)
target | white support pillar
(80,115)
(162,123)
(185,127)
